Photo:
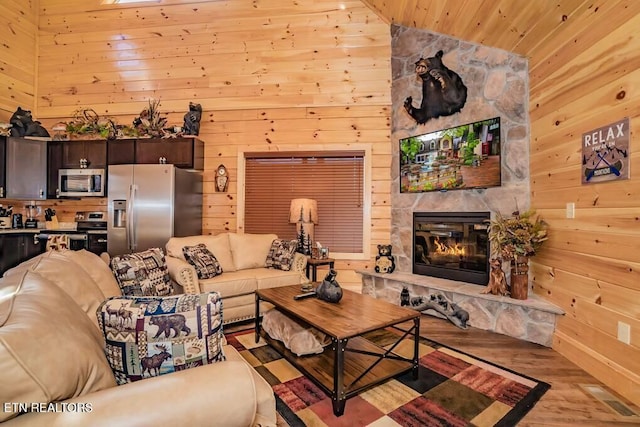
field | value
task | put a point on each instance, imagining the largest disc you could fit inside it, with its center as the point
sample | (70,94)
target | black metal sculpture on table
(329,290)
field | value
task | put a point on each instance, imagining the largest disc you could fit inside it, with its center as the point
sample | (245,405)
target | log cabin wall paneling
(266,73)
(591,264)
(290,61)
(18,61)
(584,67)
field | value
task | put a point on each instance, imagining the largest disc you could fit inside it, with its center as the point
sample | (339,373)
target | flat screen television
(462,157)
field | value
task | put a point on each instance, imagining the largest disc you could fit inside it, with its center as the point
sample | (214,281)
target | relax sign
(605,153)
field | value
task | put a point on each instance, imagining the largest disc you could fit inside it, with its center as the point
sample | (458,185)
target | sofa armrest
(184,274)
(221,394)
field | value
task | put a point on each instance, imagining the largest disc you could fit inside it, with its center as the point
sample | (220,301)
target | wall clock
(222,178)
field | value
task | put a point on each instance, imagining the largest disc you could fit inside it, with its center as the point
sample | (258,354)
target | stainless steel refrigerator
(148,204)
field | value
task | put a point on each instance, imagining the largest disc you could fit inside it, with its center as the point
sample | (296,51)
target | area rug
(453,389)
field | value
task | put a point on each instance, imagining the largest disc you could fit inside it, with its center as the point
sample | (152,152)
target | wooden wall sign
(605,153)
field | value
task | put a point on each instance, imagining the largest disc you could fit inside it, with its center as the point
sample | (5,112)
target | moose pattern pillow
(150,336)
(205,263)
(281,254)
(143,273)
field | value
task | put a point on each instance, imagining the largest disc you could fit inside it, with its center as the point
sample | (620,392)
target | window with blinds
(334,179)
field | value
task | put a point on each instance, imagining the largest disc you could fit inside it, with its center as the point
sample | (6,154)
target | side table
(313,263)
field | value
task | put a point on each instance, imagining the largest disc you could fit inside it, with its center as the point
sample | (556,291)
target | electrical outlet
(571,210)
(624,332)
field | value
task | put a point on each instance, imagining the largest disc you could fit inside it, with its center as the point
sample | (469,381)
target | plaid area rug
(453,389)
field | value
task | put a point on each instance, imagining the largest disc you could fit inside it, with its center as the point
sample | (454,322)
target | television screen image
(462,157)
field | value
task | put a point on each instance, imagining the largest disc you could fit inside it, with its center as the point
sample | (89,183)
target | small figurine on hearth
(385,263)
(497,280)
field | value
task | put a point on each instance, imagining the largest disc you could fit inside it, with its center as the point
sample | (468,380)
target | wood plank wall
(590,266)
(276,73)
(268,71)
(18,55)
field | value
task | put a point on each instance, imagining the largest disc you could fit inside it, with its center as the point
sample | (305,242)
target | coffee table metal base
(350,366)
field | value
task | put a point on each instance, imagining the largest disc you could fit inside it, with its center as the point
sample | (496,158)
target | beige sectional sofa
(54,366)
(242,258)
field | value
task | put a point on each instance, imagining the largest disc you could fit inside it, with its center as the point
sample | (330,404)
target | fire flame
(444,249)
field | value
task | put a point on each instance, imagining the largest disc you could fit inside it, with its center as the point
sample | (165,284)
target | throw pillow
(150,336)
(205,263)
(143,273)
(281,254)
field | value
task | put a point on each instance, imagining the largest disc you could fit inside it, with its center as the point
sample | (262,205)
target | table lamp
(304,213)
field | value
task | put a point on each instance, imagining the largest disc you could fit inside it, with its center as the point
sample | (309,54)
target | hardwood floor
(565,404)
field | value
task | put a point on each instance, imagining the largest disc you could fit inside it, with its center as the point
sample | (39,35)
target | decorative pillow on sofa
(281,254)
(151,336)
(205,263)
(143,273)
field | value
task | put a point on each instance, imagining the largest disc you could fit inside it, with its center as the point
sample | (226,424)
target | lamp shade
(303,210)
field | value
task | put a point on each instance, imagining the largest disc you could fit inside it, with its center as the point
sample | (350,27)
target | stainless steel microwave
(81,182)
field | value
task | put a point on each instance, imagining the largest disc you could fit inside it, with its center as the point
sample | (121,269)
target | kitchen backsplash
(65,208)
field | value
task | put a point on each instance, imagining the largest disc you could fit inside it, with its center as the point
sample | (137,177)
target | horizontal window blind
(334,179)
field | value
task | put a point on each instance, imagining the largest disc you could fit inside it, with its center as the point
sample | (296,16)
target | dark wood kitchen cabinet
(16,248)
(93,151)
(183,152)
(121,151)
(26,169)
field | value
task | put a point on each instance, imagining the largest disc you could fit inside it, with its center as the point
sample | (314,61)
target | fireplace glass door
(452,245)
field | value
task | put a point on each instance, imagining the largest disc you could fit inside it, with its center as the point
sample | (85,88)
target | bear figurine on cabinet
(385,262)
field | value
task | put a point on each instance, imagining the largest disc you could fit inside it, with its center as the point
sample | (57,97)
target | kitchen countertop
(44,230)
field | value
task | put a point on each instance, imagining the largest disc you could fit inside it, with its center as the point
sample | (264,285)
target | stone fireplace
(452,245)
(498,85)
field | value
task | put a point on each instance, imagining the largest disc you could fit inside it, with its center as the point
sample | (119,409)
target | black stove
(94,225)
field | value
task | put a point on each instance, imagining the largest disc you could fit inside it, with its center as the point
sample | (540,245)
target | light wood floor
(565,404)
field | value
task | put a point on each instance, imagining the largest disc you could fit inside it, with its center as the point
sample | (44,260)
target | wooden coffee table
(351,363)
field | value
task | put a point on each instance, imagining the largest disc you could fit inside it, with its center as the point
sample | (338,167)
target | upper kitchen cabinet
(121,151)
(88,153)
(3,169)
(182,152)
(26,169)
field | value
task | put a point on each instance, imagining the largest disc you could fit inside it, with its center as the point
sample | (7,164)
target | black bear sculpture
(443,92)
(192,119)
(385,263)
(22,124)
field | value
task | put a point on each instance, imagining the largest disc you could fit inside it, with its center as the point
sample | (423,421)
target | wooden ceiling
(522,27)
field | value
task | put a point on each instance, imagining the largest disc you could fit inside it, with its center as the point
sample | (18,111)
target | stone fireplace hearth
(531,320)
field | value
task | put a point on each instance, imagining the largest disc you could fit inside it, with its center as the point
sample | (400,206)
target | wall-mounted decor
(461,157)
(605,153)
(222,179)
(443,92)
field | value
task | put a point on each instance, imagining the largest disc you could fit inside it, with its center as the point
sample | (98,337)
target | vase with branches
(516,238)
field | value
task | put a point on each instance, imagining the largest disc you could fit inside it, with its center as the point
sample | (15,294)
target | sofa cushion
(49,349)
(143,273)
(205,263)
(230,284)
(68,276)
(218,245)
(281,254)
(273,278)
(151,336)
(250,250)
(97,268)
